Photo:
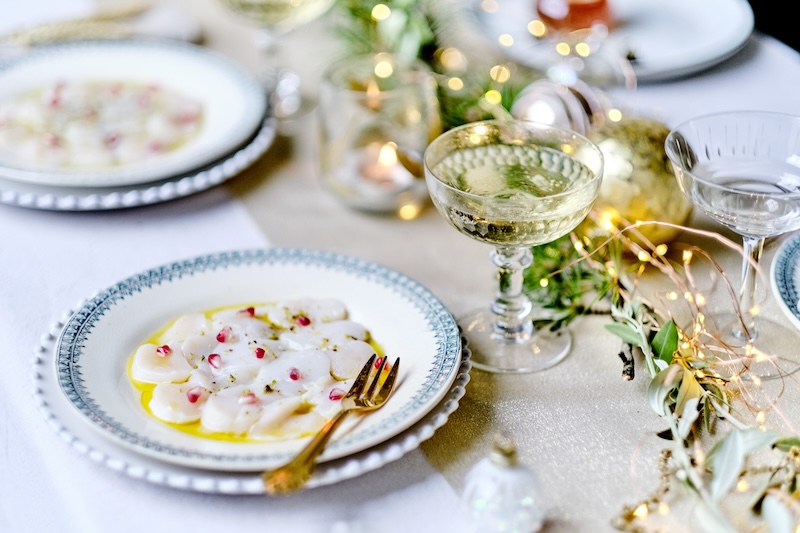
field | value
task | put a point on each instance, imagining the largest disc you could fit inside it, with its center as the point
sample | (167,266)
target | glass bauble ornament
(501,495)
(638,182)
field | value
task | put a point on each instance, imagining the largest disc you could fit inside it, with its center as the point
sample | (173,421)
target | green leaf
(726,457)
(626,333)
(787,443)
(661,386)
(666,341)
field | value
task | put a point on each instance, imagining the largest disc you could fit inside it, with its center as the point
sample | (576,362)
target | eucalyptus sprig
(599,272)
(685,389)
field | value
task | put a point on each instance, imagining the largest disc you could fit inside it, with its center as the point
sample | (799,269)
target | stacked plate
(236,126)
(82,388)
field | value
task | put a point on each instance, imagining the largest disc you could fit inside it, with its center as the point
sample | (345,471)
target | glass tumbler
(376,116)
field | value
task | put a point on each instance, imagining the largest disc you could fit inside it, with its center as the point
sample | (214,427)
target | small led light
(381,12)
(506,40)
(493,96)
(455,84)
(537,28)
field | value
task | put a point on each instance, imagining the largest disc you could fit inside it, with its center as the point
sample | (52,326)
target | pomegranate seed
(249,311)
(112,139)
(336,394)
(224,334)
(194,394)
(51,139)
(248,399)
(215,360)
(294,374)
(186,118)
(260,352)
(163,351)
(378,362)
(303,320)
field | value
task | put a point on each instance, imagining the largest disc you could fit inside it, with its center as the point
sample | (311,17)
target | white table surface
(590,463)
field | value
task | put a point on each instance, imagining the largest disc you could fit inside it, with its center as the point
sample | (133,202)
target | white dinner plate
(233,103)
(93,348)
(669,38)
(53,198)
(785,274)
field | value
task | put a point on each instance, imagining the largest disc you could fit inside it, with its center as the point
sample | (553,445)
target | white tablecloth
(50,261)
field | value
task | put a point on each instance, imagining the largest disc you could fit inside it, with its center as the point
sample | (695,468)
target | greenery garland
(577,275)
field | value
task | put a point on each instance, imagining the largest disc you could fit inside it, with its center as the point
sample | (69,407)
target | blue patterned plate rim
(73,355)
(785,274)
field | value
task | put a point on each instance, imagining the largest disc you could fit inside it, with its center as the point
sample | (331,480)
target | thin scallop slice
(154,364)
(292,313)
(342,331)
(274,415)
(196,348)
(178,403)
(232,410)
(186,326)
(294,372)
(348,358)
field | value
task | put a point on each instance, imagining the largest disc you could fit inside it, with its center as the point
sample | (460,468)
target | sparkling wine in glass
(742,169)
(274,19)
(512,184)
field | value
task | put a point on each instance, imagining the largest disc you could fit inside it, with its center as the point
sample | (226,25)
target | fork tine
(376,379)
(388,383)
(361,379)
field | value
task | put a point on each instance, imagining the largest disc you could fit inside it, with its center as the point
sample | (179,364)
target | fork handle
(294,474)
(316,446)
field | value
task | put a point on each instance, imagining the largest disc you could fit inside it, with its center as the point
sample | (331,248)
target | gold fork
(293,475)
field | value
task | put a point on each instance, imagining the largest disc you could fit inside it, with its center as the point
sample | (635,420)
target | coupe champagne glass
(742,169)
(512,184)
(274,19)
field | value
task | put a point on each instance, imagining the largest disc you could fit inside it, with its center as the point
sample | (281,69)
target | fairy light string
(656,295)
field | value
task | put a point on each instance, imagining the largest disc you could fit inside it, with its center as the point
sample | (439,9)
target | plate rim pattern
(784,285)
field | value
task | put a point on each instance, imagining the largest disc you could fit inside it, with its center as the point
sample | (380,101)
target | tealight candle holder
(376,116)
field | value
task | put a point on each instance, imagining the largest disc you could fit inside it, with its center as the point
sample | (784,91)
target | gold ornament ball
(638,182)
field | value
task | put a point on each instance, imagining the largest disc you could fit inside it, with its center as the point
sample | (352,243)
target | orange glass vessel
(571,15)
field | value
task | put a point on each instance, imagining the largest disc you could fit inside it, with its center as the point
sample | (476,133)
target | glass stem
(752,247)
(268,68)
(511,307)
(282,84)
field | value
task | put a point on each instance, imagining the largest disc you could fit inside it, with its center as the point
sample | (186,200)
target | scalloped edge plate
(233,102)
(95,343)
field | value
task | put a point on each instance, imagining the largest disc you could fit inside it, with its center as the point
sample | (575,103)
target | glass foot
(492,352)
(772,352)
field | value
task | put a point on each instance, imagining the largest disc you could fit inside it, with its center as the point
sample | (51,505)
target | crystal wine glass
(275,19)
(512,184)
(742,169)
